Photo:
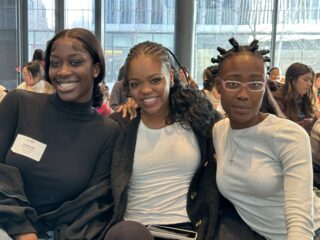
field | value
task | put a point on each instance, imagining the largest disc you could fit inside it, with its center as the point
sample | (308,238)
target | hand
(129,108)
(26,236)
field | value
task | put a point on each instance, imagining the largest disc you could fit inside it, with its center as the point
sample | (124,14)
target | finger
(124,112)
(119,109)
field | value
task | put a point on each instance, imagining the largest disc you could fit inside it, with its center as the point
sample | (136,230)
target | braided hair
(236,48)
(252,48)
(187,105)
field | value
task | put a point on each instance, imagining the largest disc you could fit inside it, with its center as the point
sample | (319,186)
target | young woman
(264,165)
(55,150)
(209,76)
(33,79)
(296,98)
(163,168)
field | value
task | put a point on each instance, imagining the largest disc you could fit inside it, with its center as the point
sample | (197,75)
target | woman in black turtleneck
(55,150)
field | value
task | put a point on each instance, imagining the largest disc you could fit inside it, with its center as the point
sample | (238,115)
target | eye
(232,84)
(54,63)
(133,84)
(75,62)
(155,80)
(256,85)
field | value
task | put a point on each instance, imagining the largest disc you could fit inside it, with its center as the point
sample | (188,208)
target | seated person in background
(296,97)
(186,79)
(38,55)
(315,145)
(55,149)
(153,180)
(33,81)
(118,95)
(3,92)
(317,90)
(264,165)
(274,79)
(209,86)
(105,109)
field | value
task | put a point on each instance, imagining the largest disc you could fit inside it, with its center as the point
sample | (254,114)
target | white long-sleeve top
(266,172)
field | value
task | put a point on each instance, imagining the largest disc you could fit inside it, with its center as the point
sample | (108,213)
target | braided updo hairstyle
(187,105)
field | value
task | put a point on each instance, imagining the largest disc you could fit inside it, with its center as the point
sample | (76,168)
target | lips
(66,85)
(241,109)
(149,102)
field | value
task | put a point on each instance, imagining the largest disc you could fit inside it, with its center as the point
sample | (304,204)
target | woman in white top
(33,74)
(264,165)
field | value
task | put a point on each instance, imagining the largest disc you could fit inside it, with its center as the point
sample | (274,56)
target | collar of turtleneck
(72,107)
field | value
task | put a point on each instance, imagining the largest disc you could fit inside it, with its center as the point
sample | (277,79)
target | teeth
(67,84)
(149,99)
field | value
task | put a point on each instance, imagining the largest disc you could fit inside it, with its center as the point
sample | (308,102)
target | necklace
(234,145)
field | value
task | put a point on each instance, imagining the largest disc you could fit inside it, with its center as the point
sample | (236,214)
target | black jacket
(203,195)
(82,218)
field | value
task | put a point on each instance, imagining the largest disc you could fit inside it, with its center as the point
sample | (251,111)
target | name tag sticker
(28,147)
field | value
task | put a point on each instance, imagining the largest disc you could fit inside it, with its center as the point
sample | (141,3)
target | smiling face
(72,71)
(242,106)
(303,83)
(149,86)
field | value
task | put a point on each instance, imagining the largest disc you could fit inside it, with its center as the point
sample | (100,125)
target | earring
(171,84)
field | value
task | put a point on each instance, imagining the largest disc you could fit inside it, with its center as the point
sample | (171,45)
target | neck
(250,123)
(155,121)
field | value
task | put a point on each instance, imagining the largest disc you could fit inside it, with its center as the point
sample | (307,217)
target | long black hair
(187,105)
(93,46)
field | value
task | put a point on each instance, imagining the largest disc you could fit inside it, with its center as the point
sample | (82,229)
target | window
(8,41)
(141,11)
(298,34)
(40,24)
(120,36)
(79,13)
(125,11)
(218,21)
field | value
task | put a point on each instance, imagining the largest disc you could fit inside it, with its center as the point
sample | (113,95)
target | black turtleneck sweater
(78,141)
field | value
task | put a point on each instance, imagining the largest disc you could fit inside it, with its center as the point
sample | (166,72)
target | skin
(242,106)
(317,83)
(149,86)
(182,76)
(303,84)
(72,71)
(275,74)
(28,78)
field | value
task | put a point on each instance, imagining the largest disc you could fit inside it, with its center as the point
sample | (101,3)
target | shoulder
(23,96)
(285,130)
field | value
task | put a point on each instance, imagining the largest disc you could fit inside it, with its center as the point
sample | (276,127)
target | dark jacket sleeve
(8,122)
(17,216)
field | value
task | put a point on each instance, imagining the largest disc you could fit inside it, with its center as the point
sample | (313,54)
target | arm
(13,202)
(295,156)
(8,123)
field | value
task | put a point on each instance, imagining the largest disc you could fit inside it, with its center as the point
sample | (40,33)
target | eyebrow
(69,56)
(150,76)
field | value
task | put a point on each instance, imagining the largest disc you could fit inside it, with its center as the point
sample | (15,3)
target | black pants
(232,227)
(129,230)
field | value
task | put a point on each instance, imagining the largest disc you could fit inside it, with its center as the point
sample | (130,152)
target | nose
(146,89)
(243,93)
(64,70)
